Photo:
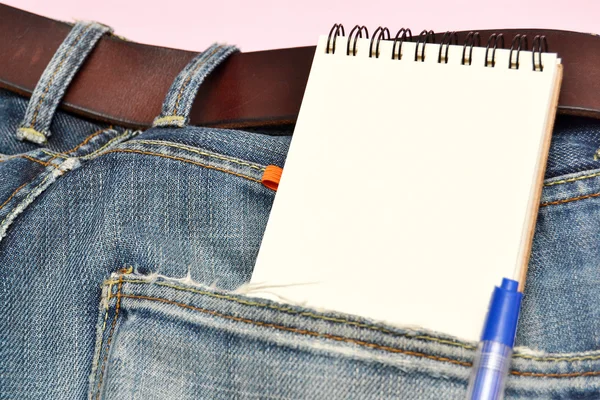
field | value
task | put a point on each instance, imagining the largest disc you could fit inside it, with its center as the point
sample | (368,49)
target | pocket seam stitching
(578,178)
(569,200)
(350,340)
(344,321)
(200,152)
(296,330)
(110,335)
(182,160)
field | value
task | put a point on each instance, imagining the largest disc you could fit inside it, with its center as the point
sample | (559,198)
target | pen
(494,352)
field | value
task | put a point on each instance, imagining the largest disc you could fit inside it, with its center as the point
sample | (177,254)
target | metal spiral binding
(542,47)
(382,33)
(425,35)
(521,40)
(401,36)
(495,41)
(336,30)
(447,40)
(472,39)
(358,29)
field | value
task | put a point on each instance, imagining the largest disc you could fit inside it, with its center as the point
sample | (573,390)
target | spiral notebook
(413,179)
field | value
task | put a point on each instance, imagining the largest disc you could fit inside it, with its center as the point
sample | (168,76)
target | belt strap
(124,83)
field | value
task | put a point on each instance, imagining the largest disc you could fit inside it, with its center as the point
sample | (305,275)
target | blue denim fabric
(123,258)
(181,212)
(56,78)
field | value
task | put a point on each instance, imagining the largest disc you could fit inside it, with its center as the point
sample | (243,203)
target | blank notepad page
(410,188)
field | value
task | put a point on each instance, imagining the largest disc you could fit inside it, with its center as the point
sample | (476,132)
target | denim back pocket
(167,338)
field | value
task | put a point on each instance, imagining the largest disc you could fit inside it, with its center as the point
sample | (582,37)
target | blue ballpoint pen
(494,353)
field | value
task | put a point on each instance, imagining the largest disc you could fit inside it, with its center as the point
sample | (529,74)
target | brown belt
(124,83)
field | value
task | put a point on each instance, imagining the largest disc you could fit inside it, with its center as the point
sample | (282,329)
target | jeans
(123,254)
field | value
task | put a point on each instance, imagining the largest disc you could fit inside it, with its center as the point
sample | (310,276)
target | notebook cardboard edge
(539,183)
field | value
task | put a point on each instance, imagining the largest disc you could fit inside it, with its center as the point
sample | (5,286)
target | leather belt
(124,83)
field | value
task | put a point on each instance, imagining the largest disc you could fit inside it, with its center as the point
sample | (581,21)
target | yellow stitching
(52,154)
(30,193)
(87,139)
(98,350)
(14,193)
(126,270)
(555,375)
(111,141)
(553,203)
(34,133)
(55,156)
(202,153)
(574,358)
(58,68)
(350,340)
(572,179)
(180,159)
(345,321)
(169,118)
(294,312)
(45,164)
(302,331)
(189,77)
(108,297)
(110,336)
(105,314)
(63,155)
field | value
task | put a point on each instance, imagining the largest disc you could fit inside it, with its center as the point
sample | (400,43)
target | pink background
(268,24)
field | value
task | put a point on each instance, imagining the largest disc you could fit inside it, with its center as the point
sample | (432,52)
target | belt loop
(51,87)
(178,103)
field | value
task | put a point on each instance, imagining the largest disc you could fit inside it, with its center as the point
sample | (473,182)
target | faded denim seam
(342,338)
(296,330)
(44,163)
(183,160)
(126,135)
(102,369)
(14,193)
(57,76)
(47,177)
(35,160)
(88,138)
(342,320)
(202,153)
(85,142)
(210,160)
(180,157)
(578,178)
